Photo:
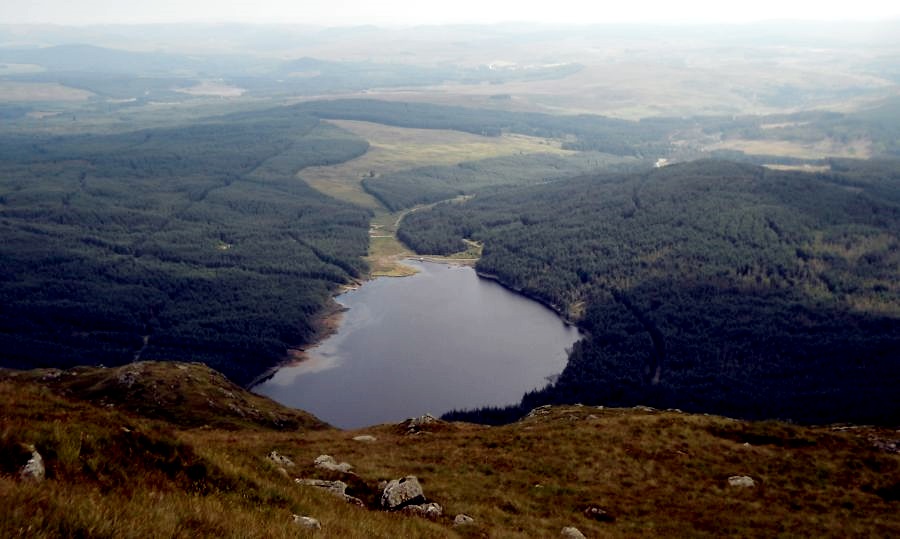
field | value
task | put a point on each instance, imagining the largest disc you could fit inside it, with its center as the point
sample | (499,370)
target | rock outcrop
(327,462)
(741,481)
(307,522)
(280,459)
(431,511)
(539,411)
(421,424)
(365,438)
(571,532)
(34,469)
(402,492)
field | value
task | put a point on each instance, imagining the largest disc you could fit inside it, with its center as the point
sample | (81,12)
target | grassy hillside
(708,286)
(188,395)
(113,472)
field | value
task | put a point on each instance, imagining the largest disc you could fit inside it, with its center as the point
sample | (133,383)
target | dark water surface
(441,339)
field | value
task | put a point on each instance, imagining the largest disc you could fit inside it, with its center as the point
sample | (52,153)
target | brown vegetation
(111,472)
(398,148)
(183,394)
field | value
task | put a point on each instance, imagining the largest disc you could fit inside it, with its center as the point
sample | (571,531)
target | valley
(576,221)
(645,274)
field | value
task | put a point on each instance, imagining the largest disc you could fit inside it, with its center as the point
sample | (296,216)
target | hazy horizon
(408,13)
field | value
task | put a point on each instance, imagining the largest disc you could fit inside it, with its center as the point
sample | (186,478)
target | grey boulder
(402,492)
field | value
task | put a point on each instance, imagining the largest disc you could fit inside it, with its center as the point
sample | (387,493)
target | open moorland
(175,450)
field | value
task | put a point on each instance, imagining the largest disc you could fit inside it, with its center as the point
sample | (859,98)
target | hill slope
(194,242)
(113,473)
(184,394)
(708,286)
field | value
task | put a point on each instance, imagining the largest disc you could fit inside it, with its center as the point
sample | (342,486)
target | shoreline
(524,293)
(329,321)
(326,324)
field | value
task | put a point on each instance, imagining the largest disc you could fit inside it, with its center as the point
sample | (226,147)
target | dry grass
(616,82)
(399,148)
(183,394)
(800,168)
(113,474)
(40,91)
(20,69)
(386,254)
(660,473)
(859,149)
(213,88)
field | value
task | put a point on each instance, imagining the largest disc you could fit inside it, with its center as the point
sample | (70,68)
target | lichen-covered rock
(34,469)
(327,462)
(307,522)
(885,444)
(402,492)
(130,375)
(422,420)
(463,520)
(539,411)
(741,481)
(421,424)
(648,409)
(431,511)
(365,438)
(280,459)
(571,532)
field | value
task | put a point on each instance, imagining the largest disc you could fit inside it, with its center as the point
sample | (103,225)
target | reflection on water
(441,339)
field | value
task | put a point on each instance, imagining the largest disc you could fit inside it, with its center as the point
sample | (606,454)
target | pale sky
(411,12)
